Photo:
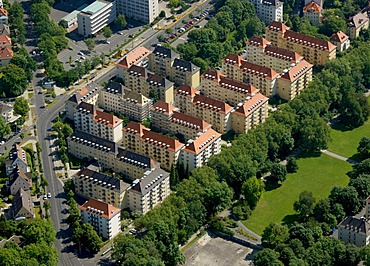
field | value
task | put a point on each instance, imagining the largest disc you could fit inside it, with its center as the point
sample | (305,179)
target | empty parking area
(215,251)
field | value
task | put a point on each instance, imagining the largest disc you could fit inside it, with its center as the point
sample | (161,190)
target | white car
(120,33)
(45,197)
(49,195)
(2,142)
(81,53)
(107,42)
(82,57)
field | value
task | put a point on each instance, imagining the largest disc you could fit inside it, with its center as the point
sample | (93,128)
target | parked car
(81,53)
(198,26)
(49,195)
(107,42)
(196,19)
(120,33)
(191,22)
(187,26)
(45,197)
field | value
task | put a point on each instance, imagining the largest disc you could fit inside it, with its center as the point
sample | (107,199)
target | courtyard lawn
(318,175)
(345,142)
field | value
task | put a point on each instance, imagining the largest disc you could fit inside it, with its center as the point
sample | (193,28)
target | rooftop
(95,7)
(355,224)
(258,41)
(5,40)
(6,54)
(136,159)
(307,40)
(212,104)
(22,199)
(93,141)
(186,66)
(358,20)
(251,105)
(149,181)
(100,179)
(296,71)
(162,141)
(283,54)
(202,142)
(114,87)
(135,128)
(233,59)
(312,7)
(107,119)
(190,121)
(277,26)
(134,57)
(187,91)
(164,107)
(339,37)
(165,52)
(257,70)
(100,208)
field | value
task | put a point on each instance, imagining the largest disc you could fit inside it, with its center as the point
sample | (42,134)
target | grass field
(315,174)
(345,142)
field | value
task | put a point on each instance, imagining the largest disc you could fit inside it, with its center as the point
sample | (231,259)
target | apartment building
(140,80)
(263,78)
(314,50)
(293,81)
(109,155)
(198,151)
(3,16)
(134,57)
(357,23)
(92,184)
(161,148)
(165,62)
(249,114)
(16,160)
(319,2)
(260,51)
(141,10)
(341,41)
(104,218)
(7,112)
(5,42)
(149,191)
(219,87)
(354,231)
(95,17)
(90,96)
(116,98)
(4,29)
(6,54)
(22,205)
(190,102)
(269,10)
(166,118)
(313,12)
(19,180)
(95,122)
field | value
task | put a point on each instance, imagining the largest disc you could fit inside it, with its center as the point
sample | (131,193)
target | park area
(316,174)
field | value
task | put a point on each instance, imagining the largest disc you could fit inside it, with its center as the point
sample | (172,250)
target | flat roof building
(142,10)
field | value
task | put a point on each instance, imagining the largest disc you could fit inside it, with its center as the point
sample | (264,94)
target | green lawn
(345,142)
(317,174)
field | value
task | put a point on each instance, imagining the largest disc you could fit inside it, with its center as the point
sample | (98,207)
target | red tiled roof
(212,74)
(258,41)
(297,71)
(249,106)
(277,26)
(164,107)
(106,118)
(312,7)
(3,12)
(6,54)
(307,40)
(339,37)
(232,59)
(282,53)
(100,208)
(209,103)
(202,142)
(84,91)
(255,69)
(187,90)
(234,85)
(135,128)
(134,57)
(189,121)
(162,141)
(5,40)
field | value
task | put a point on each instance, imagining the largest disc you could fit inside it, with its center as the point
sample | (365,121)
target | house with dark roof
(19,179)
(4,30)
(149,191)
(6,111)
(87,95)
(16,160)
(354,231)
(357,23)
(341,40)
(22,206)
(18,240)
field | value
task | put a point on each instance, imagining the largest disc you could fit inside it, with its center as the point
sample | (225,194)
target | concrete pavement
(339,157)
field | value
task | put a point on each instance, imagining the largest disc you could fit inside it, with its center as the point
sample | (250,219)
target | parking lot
(215,251)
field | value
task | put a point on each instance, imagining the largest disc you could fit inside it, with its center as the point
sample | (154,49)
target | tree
(333,24)
(362,186)
(267,257)
(347,197)
(162,14)
(4,128)
(36,231)
(292,166)
(364,147)
(21,106)
(107,32)
(278,172)
(363,168)
(174,3)
(314,134)
(90,43)
(252,190)
(274,235)
(63,23)
(91,239)
(13,81)
(188,51)
(304,206)
(121,21)
(44,253)
(354,110)
(199,62)
(174,177)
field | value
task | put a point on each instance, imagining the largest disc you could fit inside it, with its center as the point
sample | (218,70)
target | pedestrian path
(339,157)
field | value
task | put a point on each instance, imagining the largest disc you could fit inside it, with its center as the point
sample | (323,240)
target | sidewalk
(339,157)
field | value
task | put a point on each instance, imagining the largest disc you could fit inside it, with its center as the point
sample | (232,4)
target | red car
(191,22)
(172,36)
(187,26)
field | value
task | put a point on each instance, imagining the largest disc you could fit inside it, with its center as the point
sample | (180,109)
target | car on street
(131,36)
(188,26)
(83,58)
(120,33)
(198,26)
(2,142)
(191,22)
(107,42)
(130,26)
(45,197)
(196,19)
(49,195)
(172,36)
(81,53)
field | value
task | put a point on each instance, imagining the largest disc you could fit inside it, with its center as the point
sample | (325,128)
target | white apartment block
(104,218)
(149,191)
(95,17)
(354,231)
(84,95)
(142,10)
(119,99)
(101,124)
(269,10)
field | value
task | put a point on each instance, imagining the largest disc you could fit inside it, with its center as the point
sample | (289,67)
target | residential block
(269,10)
(141,10)
(313,12)
(341,41)
(90,96)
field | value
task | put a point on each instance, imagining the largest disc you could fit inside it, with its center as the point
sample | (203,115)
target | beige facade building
(218,113)
(295,80)
(149,191)
(269,10)
(260,51)
(249,114)
(6,54)
(341,41)
(165,62)
(109,155)
(313,12)
(135,57)
(263,78)
(104,218)
(92,184)
(16,160)
(198,151)
(219,87)
(20,180)
(90,96)
(354,231)
(161,148)
(7,112)
(166,118)
(141,10)
(22,206)
(115,98)
(153,86)
(101,124)
(357,23)
(314,50)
